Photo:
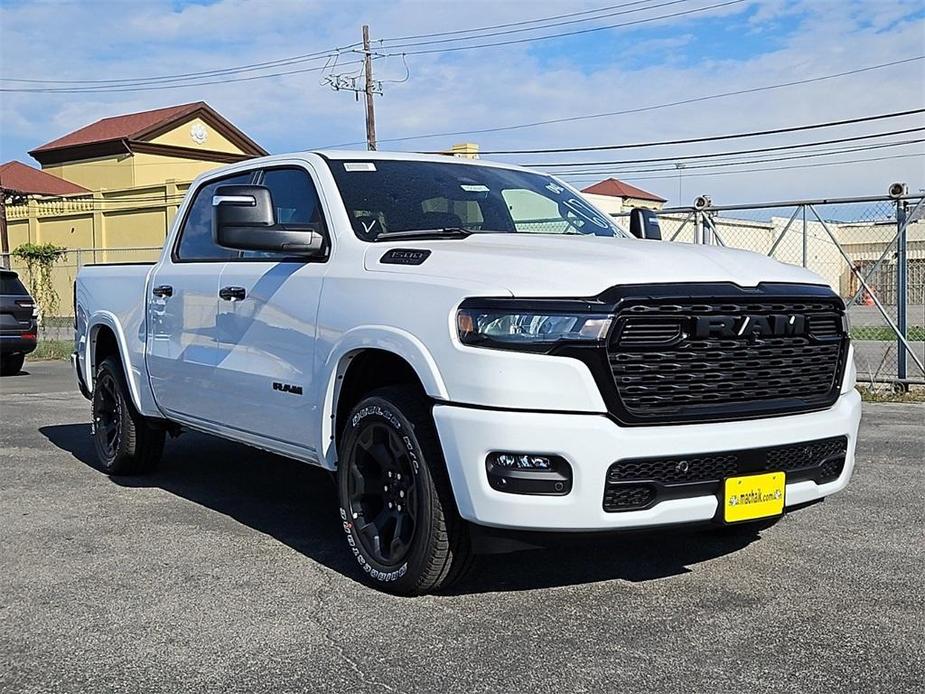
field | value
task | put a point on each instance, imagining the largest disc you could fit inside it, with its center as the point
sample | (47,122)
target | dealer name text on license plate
(753,496)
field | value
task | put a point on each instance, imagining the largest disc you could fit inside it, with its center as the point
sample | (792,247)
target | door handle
(162,290)
(232,293)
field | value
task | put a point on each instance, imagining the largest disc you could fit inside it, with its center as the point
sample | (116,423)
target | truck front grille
(714,359)
(638,483)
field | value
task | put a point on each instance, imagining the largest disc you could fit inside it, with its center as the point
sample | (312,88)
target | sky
(640,66)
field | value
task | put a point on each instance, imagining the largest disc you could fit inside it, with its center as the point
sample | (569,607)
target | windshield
(387,196)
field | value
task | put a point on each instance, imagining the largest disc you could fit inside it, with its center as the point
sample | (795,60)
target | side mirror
(244,218)
(644,224)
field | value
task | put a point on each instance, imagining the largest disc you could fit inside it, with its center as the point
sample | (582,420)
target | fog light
(522,461)
(529,473)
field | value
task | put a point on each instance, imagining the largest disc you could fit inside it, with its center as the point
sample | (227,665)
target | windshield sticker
(359,166)
(474,188)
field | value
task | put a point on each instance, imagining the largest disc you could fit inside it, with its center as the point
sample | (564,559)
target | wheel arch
(365,360)
(106,338)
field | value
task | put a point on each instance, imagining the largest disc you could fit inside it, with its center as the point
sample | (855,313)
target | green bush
(40,258)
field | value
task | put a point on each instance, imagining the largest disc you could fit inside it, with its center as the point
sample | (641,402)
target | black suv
(17,323)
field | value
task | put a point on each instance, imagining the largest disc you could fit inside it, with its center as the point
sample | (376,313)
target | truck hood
(582,266)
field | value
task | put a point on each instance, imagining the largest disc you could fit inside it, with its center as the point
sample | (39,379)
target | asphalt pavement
(226,571)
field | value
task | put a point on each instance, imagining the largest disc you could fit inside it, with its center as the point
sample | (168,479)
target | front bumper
(591,443)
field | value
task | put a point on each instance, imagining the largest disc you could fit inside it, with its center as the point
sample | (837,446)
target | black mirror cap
(244,218)
(644,224)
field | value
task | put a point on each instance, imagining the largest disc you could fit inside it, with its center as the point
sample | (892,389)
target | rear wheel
(11,364)
(396,503)
(125,443)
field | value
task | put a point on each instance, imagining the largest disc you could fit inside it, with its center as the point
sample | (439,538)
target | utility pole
(361,82)
(368,89)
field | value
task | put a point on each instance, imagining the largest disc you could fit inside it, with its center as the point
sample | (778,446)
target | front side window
(296,201)
(196,242)
(384,196)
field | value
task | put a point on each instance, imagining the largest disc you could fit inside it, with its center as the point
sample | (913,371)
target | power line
(712,155)
(131,81)
(144,84)
(712,138)
(279,62)
(740,162)
(550,26)
(778,168)
(577,32)
(509,24)
(117,88)
(643,109)
(757,150)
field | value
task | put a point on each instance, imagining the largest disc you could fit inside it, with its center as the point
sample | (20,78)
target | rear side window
(11,286)
(196,235)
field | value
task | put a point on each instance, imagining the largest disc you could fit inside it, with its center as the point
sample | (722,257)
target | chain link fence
(869,250)
(64,272)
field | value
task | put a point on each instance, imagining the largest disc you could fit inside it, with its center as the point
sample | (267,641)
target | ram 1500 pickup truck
(472,348)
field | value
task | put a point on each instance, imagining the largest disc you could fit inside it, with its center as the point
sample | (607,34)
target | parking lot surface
(226,571)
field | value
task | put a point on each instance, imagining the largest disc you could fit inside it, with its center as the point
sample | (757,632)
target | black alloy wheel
(107,416)
(126,443)
(382,495)
(396,503)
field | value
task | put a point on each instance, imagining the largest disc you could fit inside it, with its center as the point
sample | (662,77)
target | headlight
(529,325)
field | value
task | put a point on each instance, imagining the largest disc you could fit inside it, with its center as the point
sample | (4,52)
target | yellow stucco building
(131,172)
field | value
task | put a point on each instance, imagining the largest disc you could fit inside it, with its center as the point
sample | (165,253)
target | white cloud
(479,89)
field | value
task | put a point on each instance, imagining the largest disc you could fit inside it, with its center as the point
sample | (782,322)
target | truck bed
(116,296)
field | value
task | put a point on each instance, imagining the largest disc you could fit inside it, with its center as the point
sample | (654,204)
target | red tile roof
(127,127)
(20,178)
(619,189)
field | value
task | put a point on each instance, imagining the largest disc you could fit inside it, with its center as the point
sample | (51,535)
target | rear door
(267,323)
(183,345)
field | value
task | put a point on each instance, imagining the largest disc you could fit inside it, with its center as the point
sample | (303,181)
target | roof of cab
(376,155)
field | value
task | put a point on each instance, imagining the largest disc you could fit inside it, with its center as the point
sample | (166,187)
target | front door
(183,345)
(266,321)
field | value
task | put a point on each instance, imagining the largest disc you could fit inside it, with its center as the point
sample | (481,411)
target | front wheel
(396,504)
(125,443)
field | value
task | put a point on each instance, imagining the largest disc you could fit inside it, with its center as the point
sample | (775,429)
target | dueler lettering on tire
(394,494)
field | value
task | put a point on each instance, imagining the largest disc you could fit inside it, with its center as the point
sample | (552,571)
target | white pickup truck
(473,349)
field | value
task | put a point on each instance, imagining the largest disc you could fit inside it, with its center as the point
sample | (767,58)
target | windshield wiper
(441,233)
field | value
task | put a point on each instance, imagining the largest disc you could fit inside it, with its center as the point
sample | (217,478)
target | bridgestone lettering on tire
(396,505)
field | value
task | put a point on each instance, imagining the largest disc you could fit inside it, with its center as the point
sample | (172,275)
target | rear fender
(133,370)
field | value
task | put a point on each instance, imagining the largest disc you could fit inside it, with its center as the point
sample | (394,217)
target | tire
(125,443)
(11,364)
(396,504)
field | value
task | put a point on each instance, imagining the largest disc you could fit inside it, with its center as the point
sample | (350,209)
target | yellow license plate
(753,496)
